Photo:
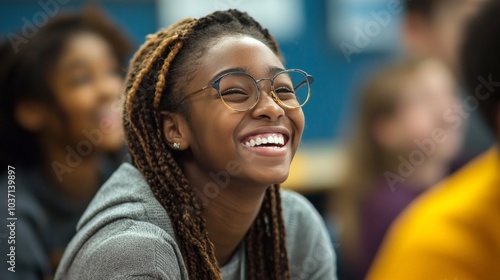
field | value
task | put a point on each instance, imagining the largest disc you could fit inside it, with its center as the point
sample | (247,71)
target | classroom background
(342,43)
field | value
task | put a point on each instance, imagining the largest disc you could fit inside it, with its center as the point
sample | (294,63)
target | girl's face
(217,135)
(87,83)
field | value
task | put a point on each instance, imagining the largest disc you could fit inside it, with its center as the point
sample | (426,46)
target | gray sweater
(125,233)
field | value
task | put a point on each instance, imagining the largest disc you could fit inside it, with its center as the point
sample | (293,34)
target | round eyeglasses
(240,92)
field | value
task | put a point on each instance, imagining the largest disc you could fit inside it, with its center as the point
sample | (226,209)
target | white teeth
(272,139)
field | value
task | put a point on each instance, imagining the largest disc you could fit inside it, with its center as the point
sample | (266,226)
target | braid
(152,157)
(265,242)
(284,265)
(154,80)
(161,76)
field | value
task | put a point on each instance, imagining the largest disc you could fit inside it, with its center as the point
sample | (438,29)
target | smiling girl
(212,120)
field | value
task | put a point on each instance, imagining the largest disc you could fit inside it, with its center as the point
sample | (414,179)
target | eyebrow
(273,70)
(230,70)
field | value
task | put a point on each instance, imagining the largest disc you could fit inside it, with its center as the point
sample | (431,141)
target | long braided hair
(157,72)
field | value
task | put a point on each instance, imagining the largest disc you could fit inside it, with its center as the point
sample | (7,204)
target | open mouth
(269,140)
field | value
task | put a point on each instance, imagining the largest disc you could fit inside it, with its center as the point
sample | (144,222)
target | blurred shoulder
(446,227)
(469,193)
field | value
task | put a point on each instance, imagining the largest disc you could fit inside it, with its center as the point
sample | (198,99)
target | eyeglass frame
(216,85)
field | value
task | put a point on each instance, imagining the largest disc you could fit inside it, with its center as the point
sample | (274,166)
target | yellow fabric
(450,233)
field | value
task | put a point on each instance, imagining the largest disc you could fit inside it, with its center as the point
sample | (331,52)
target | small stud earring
(177,145)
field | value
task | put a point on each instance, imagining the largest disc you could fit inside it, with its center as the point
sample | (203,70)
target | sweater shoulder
(126,248)
(309,247)
(296,208)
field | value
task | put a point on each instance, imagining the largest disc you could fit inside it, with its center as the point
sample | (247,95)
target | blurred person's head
(61,87)
(481,63)
(398,109)
(399,106)
(405,103)
(435,27)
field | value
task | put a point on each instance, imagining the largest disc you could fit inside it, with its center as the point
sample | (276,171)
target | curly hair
(157,74)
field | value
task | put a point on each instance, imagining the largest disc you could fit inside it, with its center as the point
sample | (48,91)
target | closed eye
(233,91)
(284,90)
(284,93)
(235,95)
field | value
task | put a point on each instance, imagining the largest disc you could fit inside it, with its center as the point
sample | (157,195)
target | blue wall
(137,18)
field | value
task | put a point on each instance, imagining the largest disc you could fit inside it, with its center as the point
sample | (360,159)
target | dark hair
(425,8)
(24,75)
(481,60)
(157,74)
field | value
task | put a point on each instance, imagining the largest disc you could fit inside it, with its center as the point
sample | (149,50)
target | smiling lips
(270,140)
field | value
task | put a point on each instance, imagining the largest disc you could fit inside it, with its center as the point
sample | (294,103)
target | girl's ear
(176,130)
(31,115)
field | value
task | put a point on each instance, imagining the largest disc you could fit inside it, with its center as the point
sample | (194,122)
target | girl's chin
(111,144)
(273,181)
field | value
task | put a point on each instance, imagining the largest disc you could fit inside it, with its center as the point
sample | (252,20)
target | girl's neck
(428,174)
(229,211)
(228,219)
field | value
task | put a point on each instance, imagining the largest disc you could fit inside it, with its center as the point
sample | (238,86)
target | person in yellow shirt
(453,231)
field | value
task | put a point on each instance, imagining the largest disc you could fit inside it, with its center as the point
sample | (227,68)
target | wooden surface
(315,168)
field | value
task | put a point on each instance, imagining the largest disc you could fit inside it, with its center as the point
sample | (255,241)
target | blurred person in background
(435,28)
(399,108)
(453,231)
(61,131)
